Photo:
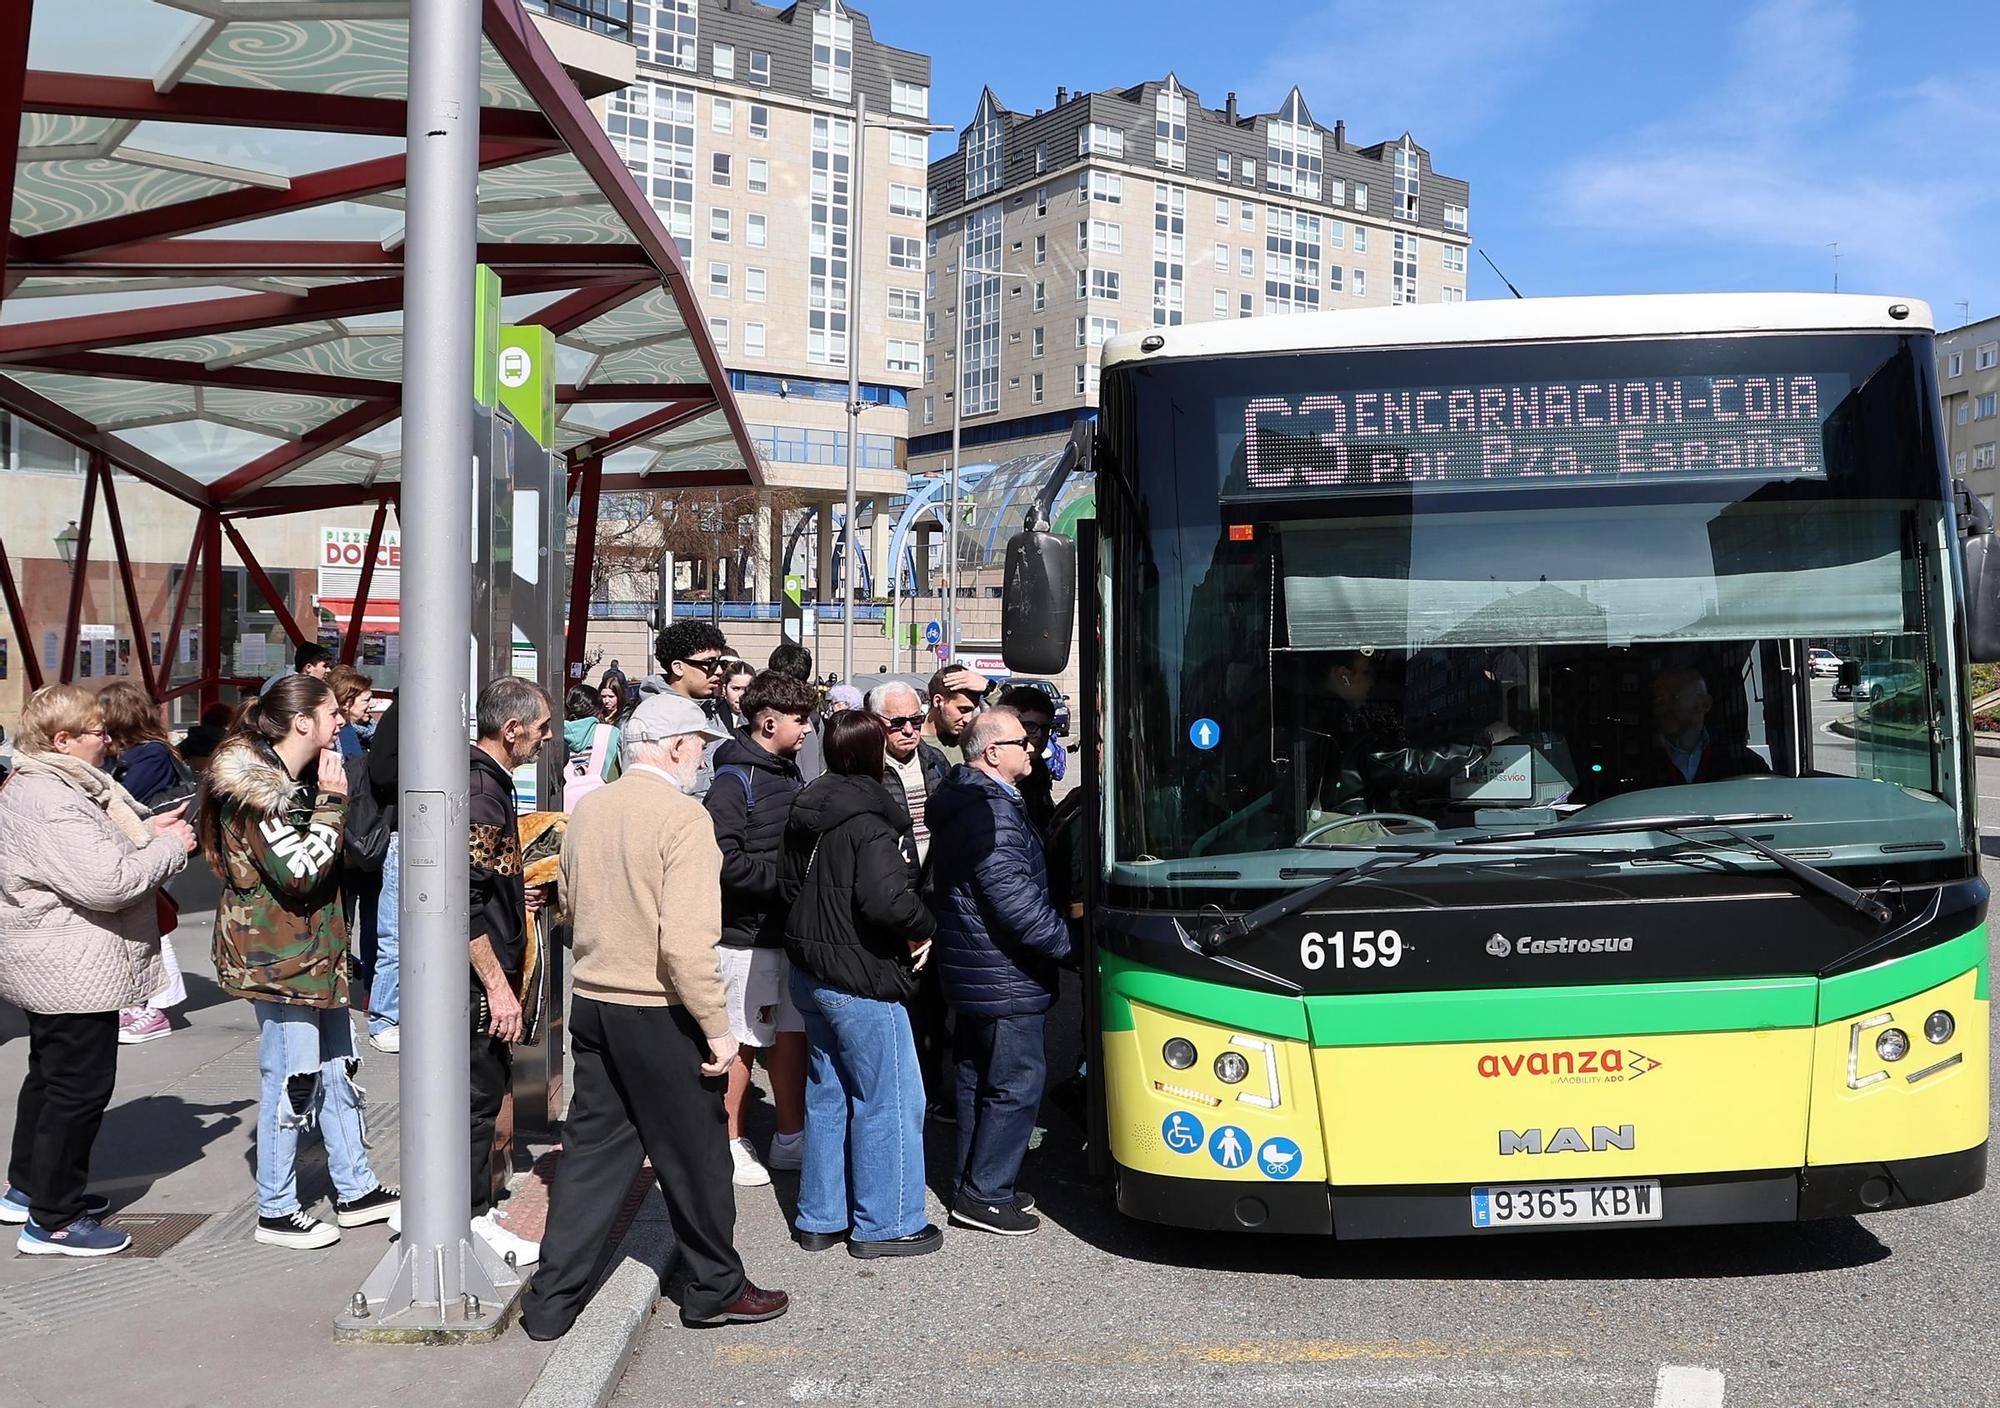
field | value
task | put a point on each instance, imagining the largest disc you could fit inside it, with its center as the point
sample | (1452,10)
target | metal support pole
(140,646)
(439,1283)
(957,416)
(351,647)
(590,484)
(855,263)
(268,588)
(210,667)
(79,575)
(30,657)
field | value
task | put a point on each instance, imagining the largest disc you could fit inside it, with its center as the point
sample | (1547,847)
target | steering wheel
(1421,823)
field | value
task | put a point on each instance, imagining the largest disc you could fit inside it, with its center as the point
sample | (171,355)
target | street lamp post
(857,202)
(66,544)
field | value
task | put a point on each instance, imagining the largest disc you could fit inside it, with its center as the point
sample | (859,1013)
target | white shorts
(757,982)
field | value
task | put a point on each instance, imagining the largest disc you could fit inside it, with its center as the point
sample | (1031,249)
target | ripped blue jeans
(306,1056)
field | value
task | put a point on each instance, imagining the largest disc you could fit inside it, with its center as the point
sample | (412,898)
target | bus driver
(1367,762)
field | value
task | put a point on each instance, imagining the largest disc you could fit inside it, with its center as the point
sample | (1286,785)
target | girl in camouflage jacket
(281,943)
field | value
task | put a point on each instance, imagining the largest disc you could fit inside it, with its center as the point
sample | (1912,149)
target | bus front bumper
(1442,1210)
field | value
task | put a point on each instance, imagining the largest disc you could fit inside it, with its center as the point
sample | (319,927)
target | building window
(1336,191)
(1451,294)
(718,169)
(979,370)
(1964,412)
(902,356)
(1336,234)
(1291,260)
(718,224)
(1246,261)
(1407,164)
(1169,255)
(652,126)
(1104,236)
(760,121)
(1170,126)
(718,280)
(1248,170)
(1360,195)
(831,240)
(1984,358)
(721,115)
(759,176)
(1956,365)
(1247,216)
(755,285)
(1335,278)
(908,149)
(753,339)
(718,333)
(1454,216)
(985,156)
(1222,259)
(1983,455)
(1041,201)
(1223,205)
(906,252)
(1360,239)
(1403,268)
(756,231)
(1360,283)
(1454,258)
(1222,166)
(1096,139)
(906,200)
(760,68)
(1035,389)
(1104,283)
(1041,295)
(1100,330)
(1082,331)
(722,59)
(930,410)
(1038,342)
(666,30)
(1080,381)
(906,305)
(1246,305)
(1222,303)
(909,99)
(1294,151)
(833,53)
(1982,409)
(930,359)
(1107,187)
(1041,249)
(1041,157)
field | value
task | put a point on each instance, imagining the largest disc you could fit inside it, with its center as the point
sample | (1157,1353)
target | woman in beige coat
(81,865)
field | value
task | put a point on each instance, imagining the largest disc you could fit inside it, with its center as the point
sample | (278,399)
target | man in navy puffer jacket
(998,940)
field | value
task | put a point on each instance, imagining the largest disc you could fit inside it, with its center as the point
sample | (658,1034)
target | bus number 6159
(1365,949)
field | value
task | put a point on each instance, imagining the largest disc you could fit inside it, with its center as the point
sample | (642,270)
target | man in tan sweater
(642,881)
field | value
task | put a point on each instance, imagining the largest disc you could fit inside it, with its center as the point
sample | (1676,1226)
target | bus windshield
(1362,598)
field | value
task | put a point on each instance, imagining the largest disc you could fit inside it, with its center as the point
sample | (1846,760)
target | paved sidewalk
(218,1320)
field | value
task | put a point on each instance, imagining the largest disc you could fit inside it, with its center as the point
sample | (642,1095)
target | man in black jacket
(513,720)
(998,940)
(750,800)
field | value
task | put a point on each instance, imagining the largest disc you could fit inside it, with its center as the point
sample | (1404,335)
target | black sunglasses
(1021,742)
(903,721)
(707,667)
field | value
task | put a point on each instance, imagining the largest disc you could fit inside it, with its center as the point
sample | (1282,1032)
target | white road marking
(1688,1386)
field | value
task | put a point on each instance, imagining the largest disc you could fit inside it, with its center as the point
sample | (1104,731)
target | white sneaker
(389,1039)
(490,1231)
(749,1173)
(298,1230)
(788,1151)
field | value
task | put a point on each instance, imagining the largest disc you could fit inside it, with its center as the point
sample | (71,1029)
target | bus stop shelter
(202,284)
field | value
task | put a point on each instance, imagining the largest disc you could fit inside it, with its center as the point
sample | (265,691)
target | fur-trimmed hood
(246,773)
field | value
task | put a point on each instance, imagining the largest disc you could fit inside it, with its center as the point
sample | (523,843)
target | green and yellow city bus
(1469,846)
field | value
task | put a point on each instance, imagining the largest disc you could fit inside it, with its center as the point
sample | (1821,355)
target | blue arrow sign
(1204,733)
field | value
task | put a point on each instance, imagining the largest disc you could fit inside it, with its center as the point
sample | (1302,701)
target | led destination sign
(1685,427)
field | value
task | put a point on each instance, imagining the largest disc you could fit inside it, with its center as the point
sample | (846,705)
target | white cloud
(1383,68)
(1791,150)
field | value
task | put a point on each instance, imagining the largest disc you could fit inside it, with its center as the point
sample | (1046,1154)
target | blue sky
(1612,147)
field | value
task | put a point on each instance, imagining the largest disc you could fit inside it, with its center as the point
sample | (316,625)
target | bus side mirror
(1038,603)
(1982,598)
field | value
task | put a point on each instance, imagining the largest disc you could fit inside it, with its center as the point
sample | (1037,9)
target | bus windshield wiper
(1727,825)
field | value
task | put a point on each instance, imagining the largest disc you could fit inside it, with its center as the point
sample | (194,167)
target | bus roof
(1528,320)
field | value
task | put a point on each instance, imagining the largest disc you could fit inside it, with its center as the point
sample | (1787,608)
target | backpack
(583,774)
(369,825)
(749,781)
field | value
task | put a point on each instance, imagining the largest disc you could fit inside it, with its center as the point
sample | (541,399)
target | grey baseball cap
(666,716)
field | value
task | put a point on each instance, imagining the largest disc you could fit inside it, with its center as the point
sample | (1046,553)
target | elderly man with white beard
(649,1030)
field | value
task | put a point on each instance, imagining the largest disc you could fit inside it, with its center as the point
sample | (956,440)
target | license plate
(1555,1204)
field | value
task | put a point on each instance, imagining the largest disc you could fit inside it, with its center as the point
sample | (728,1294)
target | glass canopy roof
(204,282)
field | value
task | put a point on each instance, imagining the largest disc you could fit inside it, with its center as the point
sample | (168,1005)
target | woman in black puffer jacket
(856,934)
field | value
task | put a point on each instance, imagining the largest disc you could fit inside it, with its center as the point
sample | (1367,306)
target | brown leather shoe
(748,1308)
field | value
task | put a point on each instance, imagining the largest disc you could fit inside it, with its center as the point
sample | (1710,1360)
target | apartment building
(740,125)
(1053,231)
(1969,385)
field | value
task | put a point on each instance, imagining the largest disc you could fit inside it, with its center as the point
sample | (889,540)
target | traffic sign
(943,652)
(1204,733)
(933,633)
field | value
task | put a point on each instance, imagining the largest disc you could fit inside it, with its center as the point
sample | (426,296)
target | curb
(590,1360)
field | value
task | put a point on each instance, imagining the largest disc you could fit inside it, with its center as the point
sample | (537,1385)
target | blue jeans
(306,1056)
(385,988)
(864,1156)
(1001,1071)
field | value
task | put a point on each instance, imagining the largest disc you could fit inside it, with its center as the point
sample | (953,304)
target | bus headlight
(1938,1028)
(1893,1044)
(1179,1053)
(1231,1068)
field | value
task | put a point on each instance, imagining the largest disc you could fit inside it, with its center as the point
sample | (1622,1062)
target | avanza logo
(1582,1066)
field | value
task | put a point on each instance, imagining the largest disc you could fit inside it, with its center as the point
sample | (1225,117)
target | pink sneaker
(137,1024)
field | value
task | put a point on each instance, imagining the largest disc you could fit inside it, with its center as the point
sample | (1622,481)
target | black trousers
(639,1093)
(72,1067)
(492,1076)
(930,1023)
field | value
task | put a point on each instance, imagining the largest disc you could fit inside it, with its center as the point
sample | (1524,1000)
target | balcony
(593,40)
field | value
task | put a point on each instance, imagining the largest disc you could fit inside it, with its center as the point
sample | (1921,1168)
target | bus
(1466,844)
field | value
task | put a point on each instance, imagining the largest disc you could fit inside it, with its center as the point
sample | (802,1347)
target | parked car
(1865,683)
(1821,662)
(1049,687)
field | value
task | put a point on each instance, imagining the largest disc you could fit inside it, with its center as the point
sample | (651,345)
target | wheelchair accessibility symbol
(1182,1133)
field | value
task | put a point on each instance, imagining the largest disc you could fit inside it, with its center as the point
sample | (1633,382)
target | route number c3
(1364,949)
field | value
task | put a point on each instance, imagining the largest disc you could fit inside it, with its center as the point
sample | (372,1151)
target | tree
(698,526)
